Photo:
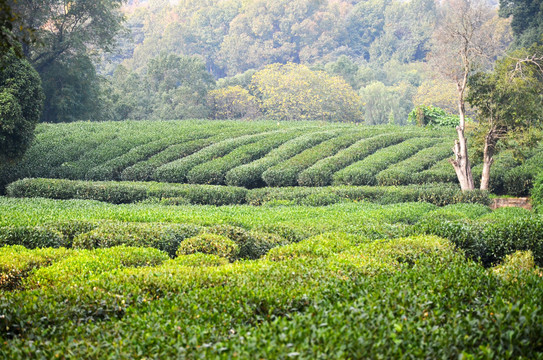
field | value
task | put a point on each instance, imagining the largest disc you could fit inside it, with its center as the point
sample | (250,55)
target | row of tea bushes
(402,173)
(286,173)
(322,172)
(178,194)
(519,181)
(416,297)
(250,175)
(214,171)
(177,171)
(364,172)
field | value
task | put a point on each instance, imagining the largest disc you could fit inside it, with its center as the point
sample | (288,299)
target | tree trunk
(488,159)
(460,162)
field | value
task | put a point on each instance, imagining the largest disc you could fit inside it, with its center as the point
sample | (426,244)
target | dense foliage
(21,103)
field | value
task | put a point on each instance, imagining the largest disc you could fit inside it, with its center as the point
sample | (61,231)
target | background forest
(361,61)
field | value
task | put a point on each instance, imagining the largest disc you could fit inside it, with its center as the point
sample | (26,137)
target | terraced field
(255,154)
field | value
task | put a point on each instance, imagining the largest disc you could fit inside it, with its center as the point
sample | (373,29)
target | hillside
(255,154)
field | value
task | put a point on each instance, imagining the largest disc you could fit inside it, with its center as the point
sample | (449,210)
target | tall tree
(508,100)
(21,100)
(70,34)
(466,39)
(526,22)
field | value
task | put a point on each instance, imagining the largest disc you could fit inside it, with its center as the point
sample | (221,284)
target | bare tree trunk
(488,159)
(460,162)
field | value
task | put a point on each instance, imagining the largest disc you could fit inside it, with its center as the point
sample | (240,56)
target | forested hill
(237,35)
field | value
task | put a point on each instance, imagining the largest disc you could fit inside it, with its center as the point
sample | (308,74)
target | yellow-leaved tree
(295,92)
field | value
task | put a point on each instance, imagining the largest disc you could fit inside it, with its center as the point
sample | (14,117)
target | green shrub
(199,260)
(210,244)
(503,163)
(214,171)
(252,244)
(519,180)
(31,237)
(286,173)
(317,247)
(363,172)
(250,175)
(125,192)
(84,264)
(402,173)
(321,174)
(537,191)
(16,262)
(165,237)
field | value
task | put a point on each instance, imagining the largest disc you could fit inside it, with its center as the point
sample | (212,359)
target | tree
(21,100)
(13,32)
(70,33)
(508,100)
(527,20)
(466,39)
(233,102)
(294,92)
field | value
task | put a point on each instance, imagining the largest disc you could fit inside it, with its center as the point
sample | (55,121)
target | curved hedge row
(518,181)
(363,172)
(321,174)
(250,175)
(402,173)
(180,194)
(214,171)
(286,173)
(177,171)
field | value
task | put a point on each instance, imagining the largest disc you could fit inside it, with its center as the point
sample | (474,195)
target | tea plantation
(256,154)
(264,240)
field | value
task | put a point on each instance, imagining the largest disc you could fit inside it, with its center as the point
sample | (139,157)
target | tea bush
(210,244)
(165,237)
(250,175)
(363,172)
(286,173)
(321,173)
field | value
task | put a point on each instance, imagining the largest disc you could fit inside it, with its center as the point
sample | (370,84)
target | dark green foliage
(489,240)
(31,237)
(527,20)
(519,181)
(210,244)
(161,236)
(363,172)
(21,103)
(423,115)
(250,175)
(252,244)
(125,192)
(286,173)
(537,191)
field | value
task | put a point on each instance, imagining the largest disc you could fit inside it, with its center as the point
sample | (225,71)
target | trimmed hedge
(321,174)
(214,171)
(84,264)
(437,194)
(537,191)
(16,262)
(210,244)
(177,171)
(161,236)
(250,175)
(486,240)
(252,244)
(363,172)
(125,192)
(286,173)
(518,181)
(402,173)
